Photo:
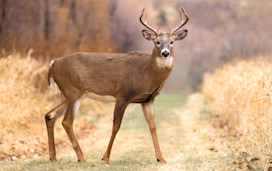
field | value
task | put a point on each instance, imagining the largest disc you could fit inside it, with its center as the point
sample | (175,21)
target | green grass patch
(163,109)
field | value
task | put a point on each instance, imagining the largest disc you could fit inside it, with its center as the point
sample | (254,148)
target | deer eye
(171,42)
(158,43)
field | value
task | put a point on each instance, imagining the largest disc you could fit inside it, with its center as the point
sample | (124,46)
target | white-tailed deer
(125,78)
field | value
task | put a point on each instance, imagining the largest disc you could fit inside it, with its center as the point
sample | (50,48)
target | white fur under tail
(52,83)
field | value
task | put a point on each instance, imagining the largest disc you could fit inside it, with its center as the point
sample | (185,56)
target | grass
(135,120)
(24,99)
(187,141)
(240,100)
(187,138)
(132,150)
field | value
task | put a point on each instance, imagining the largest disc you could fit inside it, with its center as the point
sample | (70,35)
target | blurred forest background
(219,31)
(231,40)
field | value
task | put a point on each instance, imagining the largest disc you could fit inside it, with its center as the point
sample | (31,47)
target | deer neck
(160,63)
(161,66)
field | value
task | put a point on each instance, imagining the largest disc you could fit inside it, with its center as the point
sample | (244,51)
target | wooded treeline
(219,30)
(55,27)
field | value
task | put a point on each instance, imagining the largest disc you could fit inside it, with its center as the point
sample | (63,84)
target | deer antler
(145,23)
(181,10)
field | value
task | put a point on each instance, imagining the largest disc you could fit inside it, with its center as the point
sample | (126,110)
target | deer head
(164,42)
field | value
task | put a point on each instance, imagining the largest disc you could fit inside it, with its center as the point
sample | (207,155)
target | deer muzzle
(165,52)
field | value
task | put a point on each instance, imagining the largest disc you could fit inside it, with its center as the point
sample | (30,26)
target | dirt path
(188,139)
(186,135)
(203,148)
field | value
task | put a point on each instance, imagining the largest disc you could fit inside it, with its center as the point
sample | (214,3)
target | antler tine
(181,10)
(145,23)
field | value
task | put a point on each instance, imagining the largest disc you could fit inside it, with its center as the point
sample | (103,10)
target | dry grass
(24,99)
(240,95)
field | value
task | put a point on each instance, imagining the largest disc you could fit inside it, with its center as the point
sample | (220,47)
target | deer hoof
(162,160)
(53,159)
(47,117)
(106,160)
(82,161)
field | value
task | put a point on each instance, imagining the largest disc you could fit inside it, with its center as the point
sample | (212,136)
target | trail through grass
(187,139)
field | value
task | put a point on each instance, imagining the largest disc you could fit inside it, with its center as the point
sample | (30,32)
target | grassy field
(24,99)
(240,96)
(186,132)
(132,149)
(187,140)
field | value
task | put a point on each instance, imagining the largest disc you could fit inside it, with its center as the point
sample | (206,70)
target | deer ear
(180,34)
(148,35)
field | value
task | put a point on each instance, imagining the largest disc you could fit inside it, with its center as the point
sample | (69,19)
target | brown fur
(132,77)
(117,75)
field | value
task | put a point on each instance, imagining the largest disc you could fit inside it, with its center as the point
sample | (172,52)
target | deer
(123,78)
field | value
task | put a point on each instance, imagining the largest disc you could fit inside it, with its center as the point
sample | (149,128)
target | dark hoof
(161,161)
(47,117)
(53,160)
(82,161)
(102,159)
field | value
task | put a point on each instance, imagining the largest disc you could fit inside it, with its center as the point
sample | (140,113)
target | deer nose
(165,53)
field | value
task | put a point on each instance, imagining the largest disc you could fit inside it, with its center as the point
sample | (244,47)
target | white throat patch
(165,63)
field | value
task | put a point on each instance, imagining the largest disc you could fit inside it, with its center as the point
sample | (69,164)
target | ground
(187,138)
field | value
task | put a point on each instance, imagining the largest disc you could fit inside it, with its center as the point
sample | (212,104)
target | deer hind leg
(50,120)
(150,119)
(67,123)
(120,107)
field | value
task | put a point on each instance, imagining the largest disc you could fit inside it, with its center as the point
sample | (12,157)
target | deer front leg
(120,107)
(67,123)
(50,120)
(150,119)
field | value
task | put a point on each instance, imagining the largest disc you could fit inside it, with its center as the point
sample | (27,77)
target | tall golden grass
(240,95)
(24,99)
